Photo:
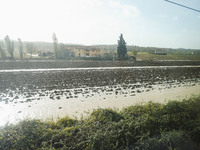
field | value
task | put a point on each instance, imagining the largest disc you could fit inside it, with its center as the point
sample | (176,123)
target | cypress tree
(121,48)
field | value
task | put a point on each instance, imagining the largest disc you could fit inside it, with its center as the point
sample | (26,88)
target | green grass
(153,126)
(169,56)
(142,53)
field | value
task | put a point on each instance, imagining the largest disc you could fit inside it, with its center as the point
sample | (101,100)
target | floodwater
(53,93)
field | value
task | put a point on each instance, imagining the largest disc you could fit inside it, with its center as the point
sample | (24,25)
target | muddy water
(49,94)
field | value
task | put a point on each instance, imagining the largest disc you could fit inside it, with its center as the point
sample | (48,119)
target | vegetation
(30,48)
(121,48)
(20,48)
(10,46)
(55,50)
(59,49)
(55,45)
(2,51)
(153,126)
(180,55)
(62,52)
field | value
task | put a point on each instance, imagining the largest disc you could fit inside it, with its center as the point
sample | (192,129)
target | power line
(183,6)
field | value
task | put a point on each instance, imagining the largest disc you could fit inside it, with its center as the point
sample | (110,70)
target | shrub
(27,134)
(105,115)
(179,114)
(176,140)
(133,112)
(66,122)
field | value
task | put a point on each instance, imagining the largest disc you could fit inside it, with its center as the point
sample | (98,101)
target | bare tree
(63,52)
(20,48)
(30,47)
(10,46)
(55,44)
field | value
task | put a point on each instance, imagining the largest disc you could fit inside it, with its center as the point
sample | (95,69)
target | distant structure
(84,51)
(78,51)
(159,52)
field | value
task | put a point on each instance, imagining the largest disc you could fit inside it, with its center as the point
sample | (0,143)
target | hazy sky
(142,22)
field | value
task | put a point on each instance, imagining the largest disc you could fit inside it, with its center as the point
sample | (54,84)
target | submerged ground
(46,89)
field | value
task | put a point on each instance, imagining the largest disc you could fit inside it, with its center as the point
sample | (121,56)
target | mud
(33,93)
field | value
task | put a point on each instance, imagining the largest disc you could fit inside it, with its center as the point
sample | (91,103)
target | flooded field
(52,93)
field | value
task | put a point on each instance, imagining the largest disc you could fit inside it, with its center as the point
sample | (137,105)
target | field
(170,56)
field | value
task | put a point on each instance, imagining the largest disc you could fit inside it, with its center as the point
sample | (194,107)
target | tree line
(7,48)
(60,50)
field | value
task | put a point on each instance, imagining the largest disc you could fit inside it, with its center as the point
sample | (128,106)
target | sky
(149,23)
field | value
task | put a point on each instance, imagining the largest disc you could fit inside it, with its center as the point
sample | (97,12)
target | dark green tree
(55,44)
(121,48)
(10,46)
(20,48)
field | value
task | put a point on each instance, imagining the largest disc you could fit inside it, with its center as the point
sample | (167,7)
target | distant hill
(144,49)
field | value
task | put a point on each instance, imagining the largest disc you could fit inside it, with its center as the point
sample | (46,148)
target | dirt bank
(41,64)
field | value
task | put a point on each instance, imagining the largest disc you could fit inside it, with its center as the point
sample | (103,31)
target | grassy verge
(154,126)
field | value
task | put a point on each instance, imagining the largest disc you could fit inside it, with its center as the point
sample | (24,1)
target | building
(84,51)
(160,52)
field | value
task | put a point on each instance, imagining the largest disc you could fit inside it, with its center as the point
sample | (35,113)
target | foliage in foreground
(152,126)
